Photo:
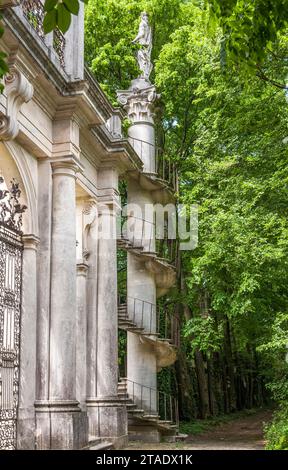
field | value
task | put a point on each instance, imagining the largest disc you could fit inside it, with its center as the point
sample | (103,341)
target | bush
(276,432)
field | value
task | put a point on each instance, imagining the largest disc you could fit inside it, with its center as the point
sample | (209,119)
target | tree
(249,27)
(251,32)
(110,27)
(227,136)
(229,139)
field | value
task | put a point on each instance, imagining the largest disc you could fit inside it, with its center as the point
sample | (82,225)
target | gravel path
(242,434)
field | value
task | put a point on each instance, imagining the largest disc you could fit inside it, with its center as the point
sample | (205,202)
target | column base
(144,433)
(60,426)
(150,432)
(26,429)
(108,421)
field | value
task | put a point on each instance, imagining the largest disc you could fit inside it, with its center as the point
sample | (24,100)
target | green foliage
(207,336)
(58,14)
(276,433)
(110,27)
(229,139)
(122,352)
(199,426)
(249,28)
(227,133)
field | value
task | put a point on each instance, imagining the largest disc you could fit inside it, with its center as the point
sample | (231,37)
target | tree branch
(260,74)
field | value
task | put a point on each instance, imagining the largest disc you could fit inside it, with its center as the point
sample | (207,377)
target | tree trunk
(230,367)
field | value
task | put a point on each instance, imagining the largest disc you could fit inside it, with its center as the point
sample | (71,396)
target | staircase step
(181,437)
(136,411)
(98,444)
(131,406)
(151,417)
(105,445)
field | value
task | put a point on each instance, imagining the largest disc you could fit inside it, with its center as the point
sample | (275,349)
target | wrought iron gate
(10,310)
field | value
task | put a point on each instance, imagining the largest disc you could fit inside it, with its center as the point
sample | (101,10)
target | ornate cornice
(18,90)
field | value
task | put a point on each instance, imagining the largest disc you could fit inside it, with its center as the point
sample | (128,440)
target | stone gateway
(62,155)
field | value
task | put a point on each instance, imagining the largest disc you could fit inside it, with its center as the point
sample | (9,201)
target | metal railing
(153,402)
(160,321)
(169,325)
(33,11)
(160,162)
(167,249)
(141,234)
(142,313)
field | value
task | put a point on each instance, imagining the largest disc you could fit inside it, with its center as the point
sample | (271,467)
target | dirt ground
(242,434)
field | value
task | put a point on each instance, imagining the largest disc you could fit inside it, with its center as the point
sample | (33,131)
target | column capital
(82,269)
(139,101)
(30,242)
(110,206)
(68,166)
(108,199)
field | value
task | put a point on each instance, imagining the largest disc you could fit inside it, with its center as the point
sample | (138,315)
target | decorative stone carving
(89,217)
(10,208)
(18,91)
(138,101)
(166,353)
(165,275)
(144,38)
(90,208)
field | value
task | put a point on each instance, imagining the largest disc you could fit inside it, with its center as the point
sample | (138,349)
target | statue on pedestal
(144,38)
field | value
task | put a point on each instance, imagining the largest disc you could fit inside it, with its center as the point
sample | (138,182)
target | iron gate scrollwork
(11,248)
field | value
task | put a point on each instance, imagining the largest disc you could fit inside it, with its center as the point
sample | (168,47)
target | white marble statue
(144,38)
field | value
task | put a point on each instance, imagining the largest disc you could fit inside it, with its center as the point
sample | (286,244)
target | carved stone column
(61,410)
(107,415)
(139,102)
(27,385)
(81,334)
(91,242)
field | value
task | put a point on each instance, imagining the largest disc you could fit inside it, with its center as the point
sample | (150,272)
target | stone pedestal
(143,432)
(108,421)
(60,427)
